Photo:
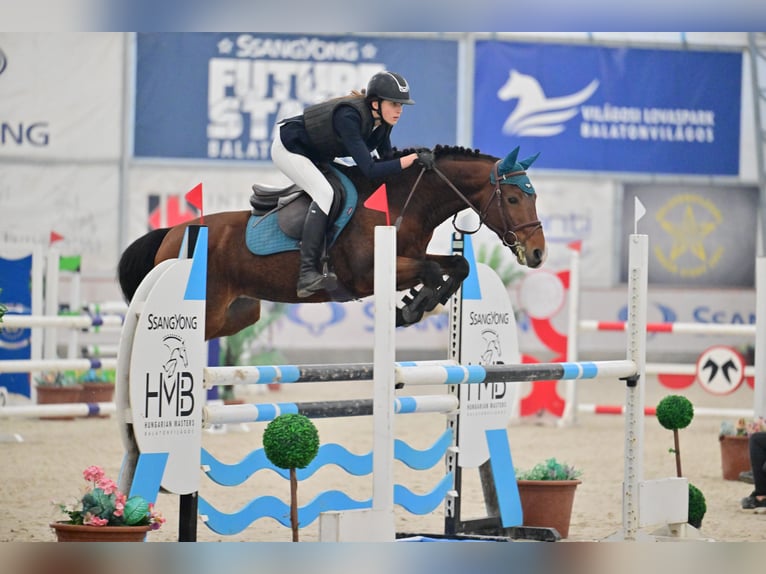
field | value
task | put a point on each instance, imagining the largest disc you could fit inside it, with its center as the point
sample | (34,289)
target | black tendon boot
(312,241)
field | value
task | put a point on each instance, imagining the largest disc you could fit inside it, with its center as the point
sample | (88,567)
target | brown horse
(420,200)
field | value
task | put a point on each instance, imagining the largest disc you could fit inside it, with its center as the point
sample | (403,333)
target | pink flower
(93,473)
(91,520)
(107,485)
(157,521)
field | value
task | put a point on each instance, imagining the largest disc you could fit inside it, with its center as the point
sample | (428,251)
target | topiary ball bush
(675,412)
(697,506)
(291,441)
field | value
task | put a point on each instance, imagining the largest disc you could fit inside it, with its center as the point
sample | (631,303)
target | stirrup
(317,282)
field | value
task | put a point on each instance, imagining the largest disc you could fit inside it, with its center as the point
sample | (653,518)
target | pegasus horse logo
(492,352)
(535,114)
(177,353)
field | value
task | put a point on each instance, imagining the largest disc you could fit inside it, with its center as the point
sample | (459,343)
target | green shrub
(675,412)
(551,469)
(291,441)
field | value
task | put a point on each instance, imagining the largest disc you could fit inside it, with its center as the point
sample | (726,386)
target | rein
(510,230)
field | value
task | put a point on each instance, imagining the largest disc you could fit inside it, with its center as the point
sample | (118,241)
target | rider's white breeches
(303,172)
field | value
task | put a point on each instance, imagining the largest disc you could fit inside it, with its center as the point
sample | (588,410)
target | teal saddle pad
(263,236)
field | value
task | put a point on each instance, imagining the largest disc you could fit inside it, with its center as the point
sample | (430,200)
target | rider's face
(390,111)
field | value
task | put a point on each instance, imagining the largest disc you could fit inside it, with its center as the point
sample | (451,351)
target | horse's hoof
(410,316)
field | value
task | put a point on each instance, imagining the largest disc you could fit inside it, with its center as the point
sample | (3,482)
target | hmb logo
(171,393)
(487,391)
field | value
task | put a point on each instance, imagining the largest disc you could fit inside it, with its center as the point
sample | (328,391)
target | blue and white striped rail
(64,321)
(265,375)
(470,374)
(58,410)
(28,365)
(265,412)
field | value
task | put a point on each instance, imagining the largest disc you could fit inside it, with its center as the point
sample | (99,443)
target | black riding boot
(311,279)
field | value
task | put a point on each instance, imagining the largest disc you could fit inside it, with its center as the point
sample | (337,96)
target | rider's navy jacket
(351,121)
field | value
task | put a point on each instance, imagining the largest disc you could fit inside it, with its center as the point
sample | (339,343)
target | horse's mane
(442,151)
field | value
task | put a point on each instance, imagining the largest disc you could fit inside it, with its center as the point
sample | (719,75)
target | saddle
(291,203)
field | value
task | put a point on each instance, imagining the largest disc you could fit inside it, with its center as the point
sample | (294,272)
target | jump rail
(64,321)
(25,366)
(264,412)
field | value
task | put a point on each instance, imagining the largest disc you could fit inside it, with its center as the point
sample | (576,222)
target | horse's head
(508,208)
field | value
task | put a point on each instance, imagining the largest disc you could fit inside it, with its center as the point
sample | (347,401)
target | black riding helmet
(389,86)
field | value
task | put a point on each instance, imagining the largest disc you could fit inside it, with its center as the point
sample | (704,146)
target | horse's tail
(137,260)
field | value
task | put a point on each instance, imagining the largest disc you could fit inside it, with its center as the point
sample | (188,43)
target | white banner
(577,209)
(61,95)
(78,203)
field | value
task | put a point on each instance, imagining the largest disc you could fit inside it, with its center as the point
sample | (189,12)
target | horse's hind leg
(241,313)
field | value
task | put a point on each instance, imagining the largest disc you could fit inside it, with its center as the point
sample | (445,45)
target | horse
(455,179)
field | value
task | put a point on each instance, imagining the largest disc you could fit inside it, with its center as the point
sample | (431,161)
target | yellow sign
(689,220)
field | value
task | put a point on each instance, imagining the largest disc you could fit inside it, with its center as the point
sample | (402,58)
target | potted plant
(733,437)
(676,412)
(547,493)
(57,387)
(97,387)
(104,514)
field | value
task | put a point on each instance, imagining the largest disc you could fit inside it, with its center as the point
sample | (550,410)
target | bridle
(509,235)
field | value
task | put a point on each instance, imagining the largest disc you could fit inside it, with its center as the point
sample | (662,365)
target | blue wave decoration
(422,503)
(423,459)
(237,473)
(272,507)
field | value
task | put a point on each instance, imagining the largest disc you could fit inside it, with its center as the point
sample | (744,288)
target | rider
(354,125)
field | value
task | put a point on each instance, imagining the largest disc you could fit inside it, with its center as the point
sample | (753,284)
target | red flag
(194,197)
(378,201)
(575,245)
(54,238)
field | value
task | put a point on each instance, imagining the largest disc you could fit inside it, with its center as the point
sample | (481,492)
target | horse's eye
(513,199)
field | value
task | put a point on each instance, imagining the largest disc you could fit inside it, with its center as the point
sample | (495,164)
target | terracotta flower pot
(52,395)
(548,503)
(735,456)
(80,533)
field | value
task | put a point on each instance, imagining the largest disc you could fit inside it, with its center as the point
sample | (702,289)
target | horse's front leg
(454,269)
(430,274)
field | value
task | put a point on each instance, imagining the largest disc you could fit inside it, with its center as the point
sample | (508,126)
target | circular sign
(541,294)
(720,370)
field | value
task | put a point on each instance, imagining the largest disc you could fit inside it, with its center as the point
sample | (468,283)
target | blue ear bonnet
(509,165)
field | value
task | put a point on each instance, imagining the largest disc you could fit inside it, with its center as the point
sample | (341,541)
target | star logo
(225,46)
(369,51)
(688,220)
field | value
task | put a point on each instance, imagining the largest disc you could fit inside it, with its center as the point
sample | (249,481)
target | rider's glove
(426,159)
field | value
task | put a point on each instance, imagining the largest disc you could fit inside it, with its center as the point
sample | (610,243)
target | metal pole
(638,265)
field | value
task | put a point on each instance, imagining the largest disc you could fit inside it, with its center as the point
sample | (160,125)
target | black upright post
(187,517)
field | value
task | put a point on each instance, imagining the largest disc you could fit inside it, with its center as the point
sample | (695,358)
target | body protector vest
(318,122)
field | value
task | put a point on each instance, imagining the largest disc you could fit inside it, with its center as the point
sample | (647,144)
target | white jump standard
(162,390)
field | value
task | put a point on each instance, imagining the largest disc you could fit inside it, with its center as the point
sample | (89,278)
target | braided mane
(443,150)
